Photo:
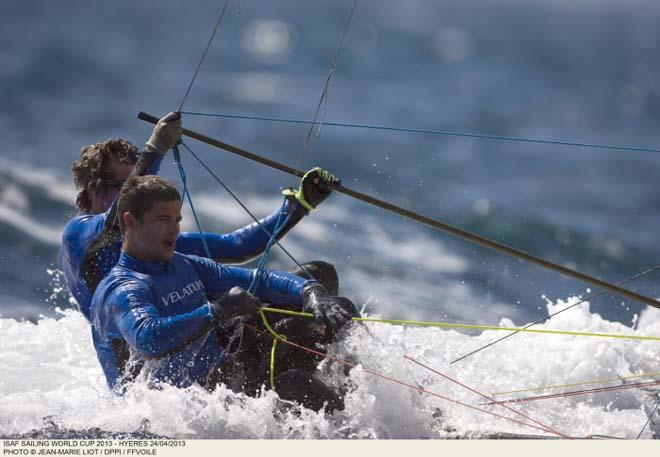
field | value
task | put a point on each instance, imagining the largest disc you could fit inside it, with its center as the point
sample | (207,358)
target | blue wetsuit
(155,316)
(91,243)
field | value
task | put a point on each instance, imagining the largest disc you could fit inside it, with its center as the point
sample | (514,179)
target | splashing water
(49,377)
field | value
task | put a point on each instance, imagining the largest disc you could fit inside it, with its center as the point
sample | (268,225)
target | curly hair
(93,168)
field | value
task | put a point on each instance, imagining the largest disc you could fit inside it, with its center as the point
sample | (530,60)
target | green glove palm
(315,186)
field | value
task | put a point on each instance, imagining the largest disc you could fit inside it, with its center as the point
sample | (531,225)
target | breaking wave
(50,379)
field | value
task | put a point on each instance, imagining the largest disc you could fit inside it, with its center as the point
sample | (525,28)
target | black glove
(236,302)
(315,186)
(327,309)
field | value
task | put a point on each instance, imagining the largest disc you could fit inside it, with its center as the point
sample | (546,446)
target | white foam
(51,369)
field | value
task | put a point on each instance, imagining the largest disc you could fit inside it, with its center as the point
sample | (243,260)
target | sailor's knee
(304,388)
(324,272)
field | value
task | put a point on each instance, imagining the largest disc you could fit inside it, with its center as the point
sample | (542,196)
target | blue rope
(186,193)
(648,419)
(430,132)
(238,200)
(279,225)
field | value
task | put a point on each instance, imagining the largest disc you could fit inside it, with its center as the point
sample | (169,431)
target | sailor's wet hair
(93,171)
(140,193)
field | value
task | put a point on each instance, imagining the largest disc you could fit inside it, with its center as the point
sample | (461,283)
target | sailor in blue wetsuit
(160,312)
(91,242)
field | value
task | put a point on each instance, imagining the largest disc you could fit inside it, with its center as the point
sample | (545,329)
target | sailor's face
(156,234)
(121,172)
(102,201)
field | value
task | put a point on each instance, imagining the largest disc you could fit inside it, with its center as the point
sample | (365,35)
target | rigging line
(395,380)
(433,223)
(428,132)
(279,225)
(238,200)
(474,326)
(575,384)
(276,337)
(576,393)
(520,413)
(589,298)
(648,419)
(206,50)
(186,193)
(324,94)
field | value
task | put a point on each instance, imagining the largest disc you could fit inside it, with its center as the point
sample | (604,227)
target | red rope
(403,383)
(549,429)
(579,392)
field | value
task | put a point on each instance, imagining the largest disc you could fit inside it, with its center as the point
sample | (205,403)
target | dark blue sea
(79,72)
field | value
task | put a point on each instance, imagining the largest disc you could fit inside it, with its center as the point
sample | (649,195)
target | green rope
(276,337)
(470,326)
(272,364)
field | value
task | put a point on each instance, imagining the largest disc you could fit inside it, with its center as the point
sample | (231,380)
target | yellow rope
(276,337)
(558,386)
(474,327)
(272,364)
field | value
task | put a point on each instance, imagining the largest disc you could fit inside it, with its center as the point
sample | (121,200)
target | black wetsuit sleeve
(148,163)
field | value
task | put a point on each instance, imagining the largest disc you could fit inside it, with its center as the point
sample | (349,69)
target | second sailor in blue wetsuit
(159,312)
(91,241)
